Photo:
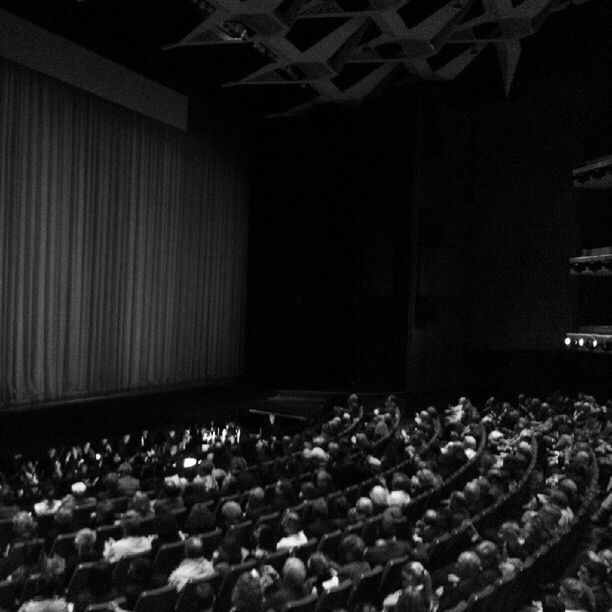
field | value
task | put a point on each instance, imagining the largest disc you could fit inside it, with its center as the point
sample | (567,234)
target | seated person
(292,586)
(194,567)
(387,547)
(84,543)
(132,543)
(352,549)
(140,578)
(294,536)
(247,594)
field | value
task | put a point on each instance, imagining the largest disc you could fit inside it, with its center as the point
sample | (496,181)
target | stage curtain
(123,253)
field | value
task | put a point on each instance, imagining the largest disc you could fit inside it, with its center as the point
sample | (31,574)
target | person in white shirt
(195,566)
(132,542)
(294,536)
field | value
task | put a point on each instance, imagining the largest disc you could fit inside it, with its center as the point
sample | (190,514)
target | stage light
(581,342)
(568,342)
(189,462)
(594,343)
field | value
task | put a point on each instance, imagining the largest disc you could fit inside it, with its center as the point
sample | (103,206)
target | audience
(304,478)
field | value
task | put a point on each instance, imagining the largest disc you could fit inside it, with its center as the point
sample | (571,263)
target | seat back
(120,504)
(121,568)
(31,588)
(305,550)
(336,598)
(224,598)
(210,541)
(6,532)
(64,545)
(277,559)
(8,594)
(106,532)
(366,589)
(82,514)
(307,604)
(157,600)
(79,581)
(330,544)
(271,519)
(121,602)
(168,558)
(188,597)
(242,532)
(391,579)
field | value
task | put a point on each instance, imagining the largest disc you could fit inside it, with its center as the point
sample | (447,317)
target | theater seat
(157,600)
(168,558)
(188,599)
(305,550)
(366,589)
(8,594)
(330,544)
(78,581)
(120,602)
(336,598)
(210,541)
(307,604)
(224,597)
(64,545)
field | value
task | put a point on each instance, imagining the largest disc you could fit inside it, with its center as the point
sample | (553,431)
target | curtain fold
(123,254)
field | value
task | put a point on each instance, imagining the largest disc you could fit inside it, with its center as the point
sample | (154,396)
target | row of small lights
(592,343)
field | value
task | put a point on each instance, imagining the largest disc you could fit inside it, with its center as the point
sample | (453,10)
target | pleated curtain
(123,246)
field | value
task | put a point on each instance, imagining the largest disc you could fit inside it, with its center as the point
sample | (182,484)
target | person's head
(320,508)
(24,525)
(141,503)
(131,526)
(365,507)
(78,489)
(85,540)
(468,565)
(552,603)
(573,593)
(488,554)
(194,548)
(352,548)
(105,512)
(51,575)
(140,570)
(291,523)
(386,528)
(592,572)
(378,495)
(294,573)
(247,594)
(255,498)
(318,564)
(231,512)
(412,600)
(229,551)
(63,517)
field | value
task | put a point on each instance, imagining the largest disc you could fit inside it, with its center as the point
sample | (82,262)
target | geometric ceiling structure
(346,50)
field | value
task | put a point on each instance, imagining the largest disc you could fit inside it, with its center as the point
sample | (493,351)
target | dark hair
(99,579)
(247,595)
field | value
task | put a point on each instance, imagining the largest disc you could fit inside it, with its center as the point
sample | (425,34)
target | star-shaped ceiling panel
(345,50)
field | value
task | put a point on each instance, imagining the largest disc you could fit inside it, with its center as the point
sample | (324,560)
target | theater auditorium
(305,305)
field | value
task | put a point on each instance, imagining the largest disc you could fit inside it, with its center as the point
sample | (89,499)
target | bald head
(194,548)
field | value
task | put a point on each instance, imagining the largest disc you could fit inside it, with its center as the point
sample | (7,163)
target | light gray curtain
(123,246)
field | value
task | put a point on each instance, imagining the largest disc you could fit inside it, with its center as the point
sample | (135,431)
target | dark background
(422,239)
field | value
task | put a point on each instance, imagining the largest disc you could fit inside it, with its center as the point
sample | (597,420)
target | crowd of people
(360,512)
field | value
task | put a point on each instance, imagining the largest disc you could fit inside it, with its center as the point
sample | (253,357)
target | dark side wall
(527,220)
